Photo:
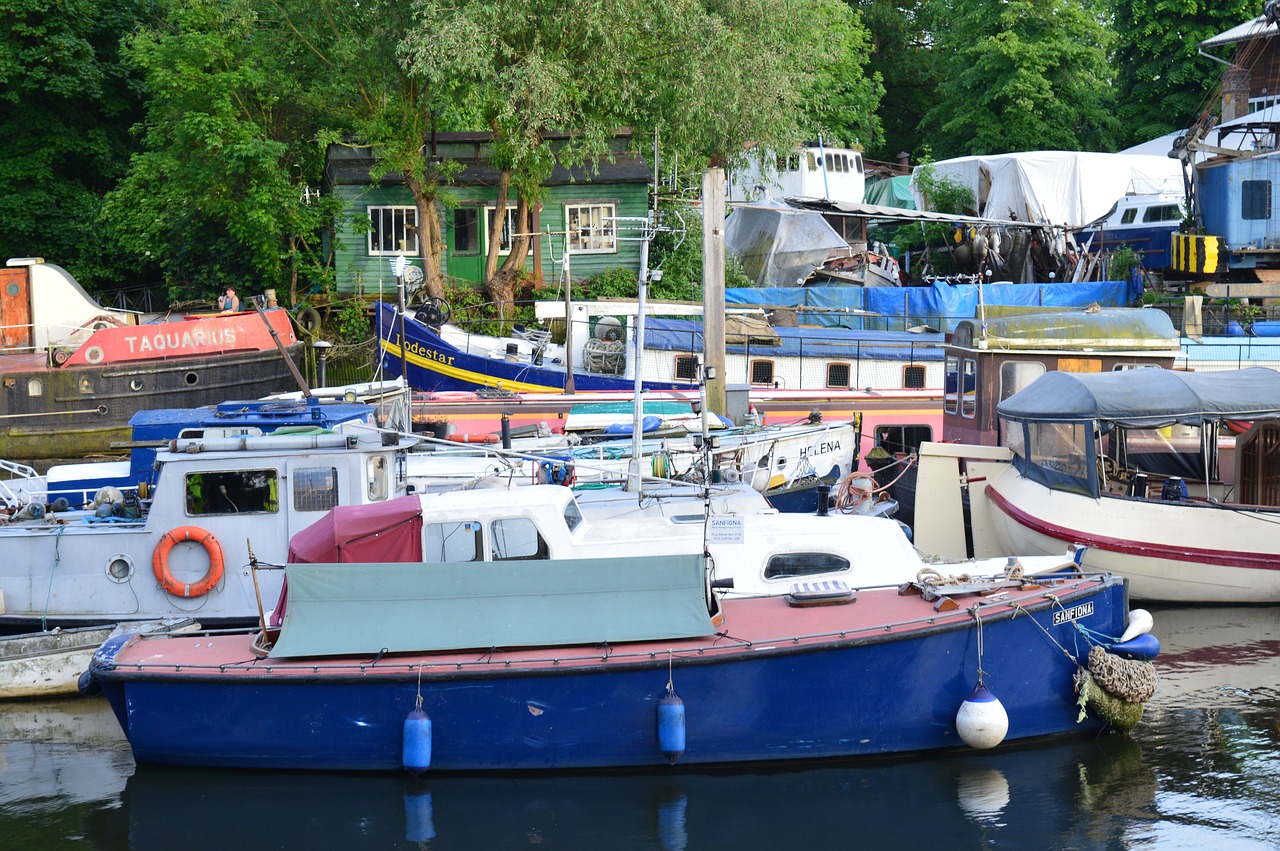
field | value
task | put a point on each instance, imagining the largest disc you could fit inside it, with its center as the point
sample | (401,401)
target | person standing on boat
(229,302)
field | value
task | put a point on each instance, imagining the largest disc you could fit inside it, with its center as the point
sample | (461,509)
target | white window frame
(582,240)
(408,237)
(504,245)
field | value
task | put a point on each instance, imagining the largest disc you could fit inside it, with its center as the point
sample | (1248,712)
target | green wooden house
(595,212)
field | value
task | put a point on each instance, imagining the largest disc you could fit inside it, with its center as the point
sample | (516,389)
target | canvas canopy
(1147,398)
(1063,188)
(342,609)
(380,531)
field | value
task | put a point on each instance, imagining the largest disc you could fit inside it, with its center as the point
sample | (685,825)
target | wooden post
(713,201)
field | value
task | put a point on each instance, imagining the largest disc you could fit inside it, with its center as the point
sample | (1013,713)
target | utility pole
(713,309)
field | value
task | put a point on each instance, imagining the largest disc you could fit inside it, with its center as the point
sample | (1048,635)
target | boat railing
(12,495)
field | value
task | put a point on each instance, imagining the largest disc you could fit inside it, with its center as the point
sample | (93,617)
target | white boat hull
(1177,552)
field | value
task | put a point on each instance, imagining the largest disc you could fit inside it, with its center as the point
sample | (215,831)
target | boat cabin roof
(1147,398)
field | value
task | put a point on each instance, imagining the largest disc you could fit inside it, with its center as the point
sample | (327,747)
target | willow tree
(710,76)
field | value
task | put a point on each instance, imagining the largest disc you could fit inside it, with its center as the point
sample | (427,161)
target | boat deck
(750,625)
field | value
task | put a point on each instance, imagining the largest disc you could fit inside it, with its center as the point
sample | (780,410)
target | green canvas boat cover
(364,608)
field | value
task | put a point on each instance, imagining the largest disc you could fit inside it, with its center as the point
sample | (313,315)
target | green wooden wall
(358,271)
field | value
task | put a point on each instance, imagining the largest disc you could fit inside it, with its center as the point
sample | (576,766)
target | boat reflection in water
(1032,798)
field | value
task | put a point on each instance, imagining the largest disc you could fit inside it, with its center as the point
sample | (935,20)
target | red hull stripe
(1142,549)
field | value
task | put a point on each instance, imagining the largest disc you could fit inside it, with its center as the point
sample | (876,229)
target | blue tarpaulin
(939,306)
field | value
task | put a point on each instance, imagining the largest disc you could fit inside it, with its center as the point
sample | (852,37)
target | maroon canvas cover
(388,531)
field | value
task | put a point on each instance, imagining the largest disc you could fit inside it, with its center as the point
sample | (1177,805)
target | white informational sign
(726,529)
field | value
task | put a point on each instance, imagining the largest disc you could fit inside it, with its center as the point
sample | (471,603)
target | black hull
(83,410)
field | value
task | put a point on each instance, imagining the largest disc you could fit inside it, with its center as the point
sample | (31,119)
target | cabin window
(857,163)
(517,538)
(452,542)
(904,439)
(792,565)
(466,230)
(791,162)
(232,492)
(1015,375)
(591,228)
(393,230)
(838,375)
(35,387)
(572,514)
(1061,453)
(314,488)
(1162,213)
(379,478)
(913,377)
(762,372)
(686,367)
(1129,215)
(969,397)
(951,386)
(1255,199)
(812,160)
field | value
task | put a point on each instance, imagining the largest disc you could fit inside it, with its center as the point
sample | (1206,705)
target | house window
(315,488)
(591,228)
(838,375)
(762,372)
(913,377)
(508,228)
(466,230)
(393,230)
(1255,199)
(686,368)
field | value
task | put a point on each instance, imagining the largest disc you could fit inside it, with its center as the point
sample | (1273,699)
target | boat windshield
(1058,455)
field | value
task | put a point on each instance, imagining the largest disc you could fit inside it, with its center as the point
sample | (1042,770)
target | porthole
(135,385)
(119,568)
(192,379)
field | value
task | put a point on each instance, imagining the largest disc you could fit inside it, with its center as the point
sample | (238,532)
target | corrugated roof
(1257,28)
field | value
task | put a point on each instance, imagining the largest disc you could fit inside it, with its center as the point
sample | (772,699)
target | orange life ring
(472,437)
(160,561)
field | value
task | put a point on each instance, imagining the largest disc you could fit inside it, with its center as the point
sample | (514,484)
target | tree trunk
(430,239)
(502,284)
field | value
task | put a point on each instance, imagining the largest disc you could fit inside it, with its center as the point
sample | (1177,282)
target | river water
(1202,771)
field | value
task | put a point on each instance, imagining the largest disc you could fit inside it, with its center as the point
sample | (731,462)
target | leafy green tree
(1020,75)
(588,67)
(1164,83)
(902,60)
(218,193)
(66,106)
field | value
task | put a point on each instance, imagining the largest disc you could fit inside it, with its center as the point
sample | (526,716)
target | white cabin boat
(810,171)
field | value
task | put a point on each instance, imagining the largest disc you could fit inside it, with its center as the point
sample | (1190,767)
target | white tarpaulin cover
(1064,188)
(780,245)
